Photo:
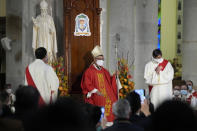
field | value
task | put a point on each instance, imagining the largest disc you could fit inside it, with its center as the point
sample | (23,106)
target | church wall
(19,28)
(189,50)
(14,72)
(145,37)
(121,32)
(104,29)
(131,24)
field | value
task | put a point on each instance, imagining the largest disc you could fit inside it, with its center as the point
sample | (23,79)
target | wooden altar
(78,48)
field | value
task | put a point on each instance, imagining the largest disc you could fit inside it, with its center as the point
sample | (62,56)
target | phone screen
(102,113)
(141,92)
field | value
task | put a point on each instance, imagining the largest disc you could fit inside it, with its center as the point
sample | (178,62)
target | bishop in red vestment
(98,86)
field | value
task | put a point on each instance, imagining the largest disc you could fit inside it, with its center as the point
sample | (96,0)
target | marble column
(14,71)
(104,28)
(121,32)
(189,48)
(145,37)
(132,24)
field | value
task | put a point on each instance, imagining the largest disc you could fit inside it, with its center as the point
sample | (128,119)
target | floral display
(125,78)
(58,66)
(177,68)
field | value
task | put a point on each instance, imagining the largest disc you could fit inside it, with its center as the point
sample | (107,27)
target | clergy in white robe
(44,32)
(42,76)
(158,75)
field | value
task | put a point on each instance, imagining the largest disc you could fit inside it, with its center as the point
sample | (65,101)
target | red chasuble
(163,64)
(30,82)
(102,81)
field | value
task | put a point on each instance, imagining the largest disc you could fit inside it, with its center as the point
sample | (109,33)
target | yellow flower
(60,88)
(125,86)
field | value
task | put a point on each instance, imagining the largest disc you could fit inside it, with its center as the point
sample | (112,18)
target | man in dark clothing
(26,103)
(140,113)
(121,110)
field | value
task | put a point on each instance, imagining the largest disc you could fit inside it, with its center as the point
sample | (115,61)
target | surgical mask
(158,60)
(184,92)
(176,92)
(9,91)
(189,87)
(100,62)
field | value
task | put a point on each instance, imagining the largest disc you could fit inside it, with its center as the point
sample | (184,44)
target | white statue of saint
(44,33)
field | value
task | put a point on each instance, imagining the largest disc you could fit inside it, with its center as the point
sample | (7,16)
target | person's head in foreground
(27,98)
(121,109)
(63,115)
(134,101)
(174,115)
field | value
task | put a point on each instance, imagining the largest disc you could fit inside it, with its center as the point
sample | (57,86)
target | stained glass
(159,24)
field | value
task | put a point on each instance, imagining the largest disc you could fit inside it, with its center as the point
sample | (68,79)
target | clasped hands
(158,69)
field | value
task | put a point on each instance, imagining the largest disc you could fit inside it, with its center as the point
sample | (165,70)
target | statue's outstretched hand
(34,21)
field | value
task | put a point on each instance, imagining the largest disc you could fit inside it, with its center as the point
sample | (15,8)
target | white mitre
(43,5)
(97,51)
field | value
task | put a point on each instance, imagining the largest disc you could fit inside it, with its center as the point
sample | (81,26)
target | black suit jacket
(142,121)
(123,125)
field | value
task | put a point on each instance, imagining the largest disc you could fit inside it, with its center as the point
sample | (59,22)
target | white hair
(121,108)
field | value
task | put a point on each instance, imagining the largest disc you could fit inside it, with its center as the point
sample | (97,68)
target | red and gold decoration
(58,66)
(125,78)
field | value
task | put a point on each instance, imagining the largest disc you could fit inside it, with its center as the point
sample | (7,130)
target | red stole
(163,64)
(30,82)
(102,81)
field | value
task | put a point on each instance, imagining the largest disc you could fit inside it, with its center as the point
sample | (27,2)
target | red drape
(31,83)
(163,64)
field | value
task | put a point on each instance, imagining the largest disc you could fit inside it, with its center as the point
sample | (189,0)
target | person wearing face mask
(98,87)
(158,75)
(184,92)
(41,76)
(12,97)
(189,84)
(191,96)
(176,92)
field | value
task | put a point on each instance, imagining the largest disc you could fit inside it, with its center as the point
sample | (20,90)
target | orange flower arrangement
(58,67)
(125,78)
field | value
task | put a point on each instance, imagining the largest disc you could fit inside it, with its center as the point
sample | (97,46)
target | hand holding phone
(145,108)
